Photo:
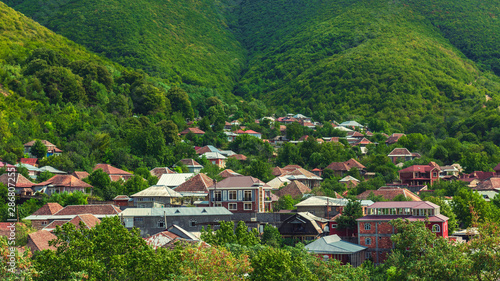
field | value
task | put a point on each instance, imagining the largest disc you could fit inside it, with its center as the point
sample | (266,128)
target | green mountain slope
(368,58)
(182,41)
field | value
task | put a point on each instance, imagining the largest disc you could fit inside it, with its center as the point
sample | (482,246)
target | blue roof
(332,244)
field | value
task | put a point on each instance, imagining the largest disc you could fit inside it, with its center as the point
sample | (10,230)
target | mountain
(182,41)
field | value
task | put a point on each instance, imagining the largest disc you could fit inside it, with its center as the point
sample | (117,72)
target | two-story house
(401,155)
(420,174)
(156,196)
(375,230)
(243,194)
(51,148)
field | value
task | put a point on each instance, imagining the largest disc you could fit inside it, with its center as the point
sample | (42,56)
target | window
(368,241)
(44,222)
(192,223)
(247,195)
(436,228)
(160,223)
(218,195)
(232,206)
(434,174)
(232,194)
(368,226)
(334,226)
(247,206)
(367,255)
(218,205)
(137,219)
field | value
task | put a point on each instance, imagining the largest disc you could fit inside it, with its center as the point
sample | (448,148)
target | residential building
(420,174)
(172,234)
(192,166)
(375,230)
(61,183)
(30,161)
(229,173)
(239,157)
(114,173)
(389,193)
(123,201)
(295,189)
(174,180)
(304,226)
(153,220)
(326,207)
(305,177)
(80,174)
(394,138)
(206,148)
(449,171)
(216,158)
(351,125)
(195,131)
(156,196)
(51,148)
(23,186)
(39,241)
(195,188)
(52,170)
(249,132)
(341,168)
(243,194)
(158,171)
(332,247)
(278,182)
(33,171)
(399,155)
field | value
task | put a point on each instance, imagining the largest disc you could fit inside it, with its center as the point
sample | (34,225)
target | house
(249,132)
(341,168)
(196,187)
(33,171)
(278,182)
(51,148)
(303,226)
(192,166)
(420,174)
(115,174)
(305,177)
(195,131)
(229,173)
(351,124)
(52,170)
(172,234)
(30,161)
(158,171)
(39,241)
(216,158)
(156,196)
(317,171)
(227,153)
(332,247)
(61,183)
(174,180)
(375,231)
(497,169)
(22,185)
(449,171)
(154,220)
(295,189)
(349,181)
(88,221)
(206,148)
(231,136)
(122,201)
(389,193)
(243,194)
(52,211)
(394,138)
(80,174)
(239,157)
(398,155)
(326,207)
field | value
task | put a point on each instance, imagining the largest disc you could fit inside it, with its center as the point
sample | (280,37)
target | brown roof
(157,172)
(363,141)
(389,193)
(277,171)
(355,134)
(490,183)
(46,143)
(291,167)
(228,173)
(353,163)
(110,170)
(301,171)
(240,157)
(241,181)
(88,219)
(400,152)
(48,209)
(20,180)
(51,226)
(64,180)
(497,168)
(121,197)
(30,161)
(192,130)
(104,209)
(196,184)
(345,166)
(39,240)
(80,174)
(191,162)
(394,138)
(294,189)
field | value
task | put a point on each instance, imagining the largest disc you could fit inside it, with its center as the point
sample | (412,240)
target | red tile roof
(394,138)
(417,168)
(295,189)
(437,218)
(355,134)
(20,181)
(404,204)
(400,152)
(228,173)
(240,157)
(202,150)
(88,220)
(192,130)
(157,172)
(277,171)
(110,170)
(196,184)
(291,167)
(241,181)
(389,194)
(48,209)
(65,181)
(80,174)
(121,197)
(354,163)
(39,241)
(30,161)
(191,162)
(345,166)
(104,209)
(45,142)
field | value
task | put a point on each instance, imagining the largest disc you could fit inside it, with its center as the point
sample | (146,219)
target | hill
(181,41)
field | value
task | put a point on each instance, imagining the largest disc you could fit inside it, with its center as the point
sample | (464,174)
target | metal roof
(157,191)
(51,170)
(332,244)
(171,212)
(323,201)
(173,180)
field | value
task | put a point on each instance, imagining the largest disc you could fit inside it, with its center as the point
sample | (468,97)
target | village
(184,201)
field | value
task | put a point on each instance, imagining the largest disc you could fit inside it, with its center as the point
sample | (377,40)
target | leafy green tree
(39,150)
(66,198)
(170,131)
(149,99)
(351,212)
(271,236)
(294,131)
(470,207)
(259,169)
(278,264)
(227,234)
(445,210)
(481,251)
(180,102)
(100,182)
(43,176)
(286,202)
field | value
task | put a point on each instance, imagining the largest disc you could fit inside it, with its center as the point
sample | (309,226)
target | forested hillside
(182,41)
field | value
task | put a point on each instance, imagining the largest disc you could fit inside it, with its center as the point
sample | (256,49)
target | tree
(43,176)
(135,184)
(351,212)
(170,131)
(278,264)
(100,182)
(271,236)
(286,202)
(39,150)
(227,234)
(259,169)
(467,203)
(294,131)
(482,249)
(445,210)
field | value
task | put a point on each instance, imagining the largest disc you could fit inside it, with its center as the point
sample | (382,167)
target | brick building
(420,174)
(375,230)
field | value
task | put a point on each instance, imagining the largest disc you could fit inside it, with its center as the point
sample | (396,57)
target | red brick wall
(384,228)
(37,224)
(384,242)
(362,228)
(362,241)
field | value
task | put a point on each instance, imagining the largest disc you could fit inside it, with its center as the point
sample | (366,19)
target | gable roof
(173,180)
(158,171)
(278,182)
(39,241)
(277,171)
(190,162)
(206,148)
(294,189)
(80,174)
(192,130)
(110,170)
(29,161)
(101,209)
(399,152)
(354,163)
(64,180)
(88,219)
(19,180)
(48,209)
(497,168)
(51,170)
(348,179)
(390,193)
(157,191)
(214,155)
(196,184)
(240,182)
(333,245)
(345,166)
(228,173)
(301,173)
(355,134)
(240,157)
(394,138)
